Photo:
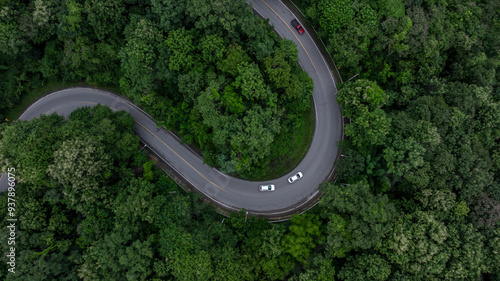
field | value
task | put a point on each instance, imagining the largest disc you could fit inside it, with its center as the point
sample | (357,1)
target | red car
(298,26)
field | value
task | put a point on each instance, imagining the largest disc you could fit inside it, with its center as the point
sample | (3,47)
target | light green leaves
(354,96)
(369,129)
(366,267)
(357,218)
(335,14)
(180,42)
(304,235)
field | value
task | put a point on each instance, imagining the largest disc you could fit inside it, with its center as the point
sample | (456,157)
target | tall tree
(357,219)
(139,57)
(305,235)
(366,267)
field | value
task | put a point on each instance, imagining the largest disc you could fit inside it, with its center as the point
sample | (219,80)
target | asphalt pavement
(227,191)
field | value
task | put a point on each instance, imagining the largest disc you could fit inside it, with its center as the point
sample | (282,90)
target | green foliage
(180,43)
(442,203)
(278,67)
(102,15)
(138,57)
(163,55)
(235,56)
(11,40)
(425,247)
(212,48)
(130,261)
(38,22)
(369,129)
(56,261)
(321,269)
(50,63)
(403,156)
(97,62)
(485,212)
(148,173)
(244,132)
(461,209)
(425,129)
(304,232)
(251,82)
(392,8)
(66,190)
(416,244)
(69,20)
(79,154)
(274,262)
(170,13)
(357,219)
(232,101)
(81,165)
(355,96)
(40,137)
(366,267)
(335,14)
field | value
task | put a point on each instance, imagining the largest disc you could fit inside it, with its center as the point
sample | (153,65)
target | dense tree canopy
(176,59)
(88,213)
(423,127)
(417,192)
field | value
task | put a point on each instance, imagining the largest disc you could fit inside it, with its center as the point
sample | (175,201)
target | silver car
(267,187)
(295,177)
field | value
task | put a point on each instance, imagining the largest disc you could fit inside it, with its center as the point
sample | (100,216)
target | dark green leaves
(358,219)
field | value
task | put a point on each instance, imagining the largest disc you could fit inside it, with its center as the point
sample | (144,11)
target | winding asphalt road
(232,193)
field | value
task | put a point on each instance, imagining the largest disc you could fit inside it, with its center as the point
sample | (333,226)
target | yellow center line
(293,32)
(171,150)
(181,157)
(1,176)
(52,109)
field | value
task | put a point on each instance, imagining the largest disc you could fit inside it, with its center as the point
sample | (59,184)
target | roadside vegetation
(417,195)
(33,95)
(425,131)
(212,71)
(90,206)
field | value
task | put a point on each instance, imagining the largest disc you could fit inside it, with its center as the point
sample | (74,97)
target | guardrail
(336,74)
(322,48)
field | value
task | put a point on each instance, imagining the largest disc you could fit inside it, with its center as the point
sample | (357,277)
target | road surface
(229,192)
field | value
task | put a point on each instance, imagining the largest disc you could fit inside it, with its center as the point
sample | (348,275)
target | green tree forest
(212,71)
(417,194)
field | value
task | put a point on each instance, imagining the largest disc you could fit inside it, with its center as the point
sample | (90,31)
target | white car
(267,187)
(295,177)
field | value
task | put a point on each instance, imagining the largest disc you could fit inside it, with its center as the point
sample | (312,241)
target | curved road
(225,190)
